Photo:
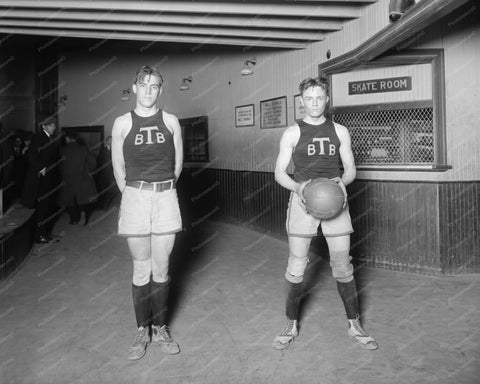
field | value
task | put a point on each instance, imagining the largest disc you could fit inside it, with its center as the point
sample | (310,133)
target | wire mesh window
(392,137)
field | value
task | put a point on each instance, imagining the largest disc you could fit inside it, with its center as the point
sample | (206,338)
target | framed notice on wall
(273,113)
(245,115)
(299,108)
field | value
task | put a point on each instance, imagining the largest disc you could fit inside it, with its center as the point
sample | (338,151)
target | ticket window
(391,136)
(394,110)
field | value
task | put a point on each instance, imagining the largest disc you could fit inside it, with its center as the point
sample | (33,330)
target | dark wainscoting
(429,228)
(251,199)
(459,223)
(396,225)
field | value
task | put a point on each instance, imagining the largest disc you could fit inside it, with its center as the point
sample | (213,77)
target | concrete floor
(66,316)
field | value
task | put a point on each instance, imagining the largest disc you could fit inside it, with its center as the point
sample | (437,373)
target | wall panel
(427,228)
(460,227)
(458,34)
(94,80)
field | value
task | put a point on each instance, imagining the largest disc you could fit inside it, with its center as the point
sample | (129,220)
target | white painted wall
(459,35)
(94,80)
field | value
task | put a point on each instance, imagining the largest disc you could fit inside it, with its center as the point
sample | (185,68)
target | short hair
(313,82)
(145,71)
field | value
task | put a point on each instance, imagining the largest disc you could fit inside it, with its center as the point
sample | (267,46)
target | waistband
(158,186)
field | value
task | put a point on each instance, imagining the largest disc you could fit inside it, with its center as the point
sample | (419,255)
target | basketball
(324,198)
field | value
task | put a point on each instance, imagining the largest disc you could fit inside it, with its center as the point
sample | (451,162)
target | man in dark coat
(78,191)
(42,180)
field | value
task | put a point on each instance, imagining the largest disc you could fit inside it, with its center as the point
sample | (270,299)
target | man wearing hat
(42,180)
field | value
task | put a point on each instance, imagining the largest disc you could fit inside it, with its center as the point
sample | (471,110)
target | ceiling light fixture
(246,70)
(184,86)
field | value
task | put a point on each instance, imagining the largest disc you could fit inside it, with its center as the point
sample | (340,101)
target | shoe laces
(358,328)
(164,332)
(141,336)
(288,330)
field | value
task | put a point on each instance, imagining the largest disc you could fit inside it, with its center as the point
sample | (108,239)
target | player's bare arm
(346,154)
(287,145)
(120,129)
(174,125)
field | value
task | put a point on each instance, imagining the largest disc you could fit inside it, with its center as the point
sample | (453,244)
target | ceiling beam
(162,29)
(155,38)
(328,9)
(148,18)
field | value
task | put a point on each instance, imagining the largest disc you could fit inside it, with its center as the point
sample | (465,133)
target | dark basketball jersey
(148,149)
(317,152)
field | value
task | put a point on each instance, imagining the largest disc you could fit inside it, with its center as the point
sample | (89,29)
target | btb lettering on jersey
(321,146)
(149,135)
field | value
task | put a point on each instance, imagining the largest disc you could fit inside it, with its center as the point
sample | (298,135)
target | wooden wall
(94,79)
(404,220)
(429,228)
(459,223)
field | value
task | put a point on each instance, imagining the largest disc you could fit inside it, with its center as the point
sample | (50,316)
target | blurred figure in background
(42,180)
(21,141)
(78,191)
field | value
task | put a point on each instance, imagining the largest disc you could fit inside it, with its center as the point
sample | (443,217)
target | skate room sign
(393,84)
(382,85)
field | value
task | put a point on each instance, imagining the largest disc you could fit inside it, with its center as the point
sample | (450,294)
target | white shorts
(145,213)
(301,224)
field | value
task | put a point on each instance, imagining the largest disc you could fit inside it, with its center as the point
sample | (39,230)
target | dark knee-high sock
(159,302)
(141,304)
(294,296)
(348,293)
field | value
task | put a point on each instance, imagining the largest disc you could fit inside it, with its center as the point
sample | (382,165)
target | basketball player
(147,158)
(316,146)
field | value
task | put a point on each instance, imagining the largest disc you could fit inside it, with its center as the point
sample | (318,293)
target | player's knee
(160,277)
(296,268)
(342,268)
(159,270)
(142,269)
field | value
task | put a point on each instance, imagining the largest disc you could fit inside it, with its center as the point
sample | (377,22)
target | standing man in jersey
(317,146)
(147,157)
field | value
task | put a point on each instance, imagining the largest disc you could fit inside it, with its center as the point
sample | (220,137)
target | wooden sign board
(273,113)
(393,84)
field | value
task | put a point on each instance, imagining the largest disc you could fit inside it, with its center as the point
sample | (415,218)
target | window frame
(435,57)
(184,124)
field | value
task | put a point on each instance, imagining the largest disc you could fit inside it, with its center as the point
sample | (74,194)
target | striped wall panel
(395,225)
(460,227)
(427,228)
